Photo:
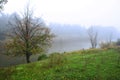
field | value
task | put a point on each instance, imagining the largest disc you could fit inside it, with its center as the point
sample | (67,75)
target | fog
(68,38)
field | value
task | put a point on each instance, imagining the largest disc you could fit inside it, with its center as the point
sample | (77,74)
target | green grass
(91,64)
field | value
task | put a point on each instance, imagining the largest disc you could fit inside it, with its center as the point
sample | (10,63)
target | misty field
(92,64)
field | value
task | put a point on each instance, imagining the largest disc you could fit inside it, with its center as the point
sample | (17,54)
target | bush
(42,56)
(107,45)
(118,42)
(104,45)
(56,59)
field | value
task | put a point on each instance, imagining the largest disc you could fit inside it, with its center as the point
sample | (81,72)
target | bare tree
(29,35)
(93,35)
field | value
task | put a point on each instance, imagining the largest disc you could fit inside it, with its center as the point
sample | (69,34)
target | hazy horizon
(81,12)
(69,21)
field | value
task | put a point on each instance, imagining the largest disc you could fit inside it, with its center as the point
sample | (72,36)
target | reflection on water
(66,45)
(59,45)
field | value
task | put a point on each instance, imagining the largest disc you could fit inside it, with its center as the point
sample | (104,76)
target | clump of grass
(42,56)
(55,59)
(6,73)
(91,51)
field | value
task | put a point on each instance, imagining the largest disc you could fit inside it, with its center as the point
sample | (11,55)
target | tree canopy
(29,35)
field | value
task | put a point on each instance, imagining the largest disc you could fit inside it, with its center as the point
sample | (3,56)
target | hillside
(93,64)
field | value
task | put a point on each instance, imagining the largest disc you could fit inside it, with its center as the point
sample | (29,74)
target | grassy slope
(80,65)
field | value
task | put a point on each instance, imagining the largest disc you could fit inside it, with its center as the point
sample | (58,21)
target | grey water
(67,45)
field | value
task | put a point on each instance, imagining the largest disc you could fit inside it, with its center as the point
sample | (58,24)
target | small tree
(93,37)
(29,35)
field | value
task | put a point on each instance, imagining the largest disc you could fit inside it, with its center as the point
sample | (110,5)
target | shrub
(55,59)
(107,45)
(42,56)
(118,42)
(104,45)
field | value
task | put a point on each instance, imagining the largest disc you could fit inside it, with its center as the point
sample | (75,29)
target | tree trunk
(28,57)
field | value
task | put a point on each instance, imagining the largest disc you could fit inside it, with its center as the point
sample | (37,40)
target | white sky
(83,12)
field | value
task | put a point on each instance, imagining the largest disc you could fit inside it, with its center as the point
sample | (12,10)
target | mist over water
(71,44)
(68,38)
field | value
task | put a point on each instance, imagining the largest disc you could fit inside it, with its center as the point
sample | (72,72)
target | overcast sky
(83,12)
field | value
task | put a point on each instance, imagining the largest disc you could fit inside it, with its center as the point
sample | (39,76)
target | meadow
(91,64)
